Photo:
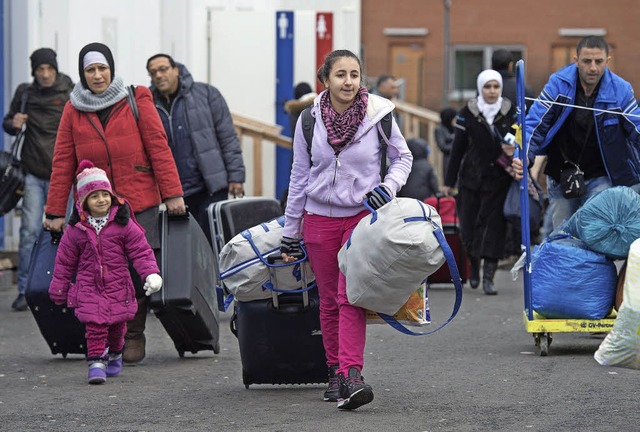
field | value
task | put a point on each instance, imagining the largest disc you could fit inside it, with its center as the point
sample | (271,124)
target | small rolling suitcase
(186,304)
(279,338)
(446,208)
(58,324)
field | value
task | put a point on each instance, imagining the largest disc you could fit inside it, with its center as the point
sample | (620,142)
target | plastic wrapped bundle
(621,347)
(570,282)
(608,222)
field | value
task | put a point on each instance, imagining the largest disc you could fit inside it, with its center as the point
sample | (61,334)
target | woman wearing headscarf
(482,180)
(98,124)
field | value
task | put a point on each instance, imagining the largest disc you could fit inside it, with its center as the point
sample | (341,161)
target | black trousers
(482,223)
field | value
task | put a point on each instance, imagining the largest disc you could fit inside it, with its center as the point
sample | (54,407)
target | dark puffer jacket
(44,107)
(216,151)
(103,292)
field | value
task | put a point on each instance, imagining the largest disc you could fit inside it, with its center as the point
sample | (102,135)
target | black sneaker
(331,393)
(353,391)
(20,303)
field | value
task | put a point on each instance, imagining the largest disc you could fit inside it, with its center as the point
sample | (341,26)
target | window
(468,61)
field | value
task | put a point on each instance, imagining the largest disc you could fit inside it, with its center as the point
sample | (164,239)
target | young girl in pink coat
(100,240)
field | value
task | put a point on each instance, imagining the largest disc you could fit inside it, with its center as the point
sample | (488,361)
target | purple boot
(97,373)
(114,367)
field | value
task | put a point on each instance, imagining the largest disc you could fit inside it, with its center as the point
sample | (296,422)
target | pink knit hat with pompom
(90,179)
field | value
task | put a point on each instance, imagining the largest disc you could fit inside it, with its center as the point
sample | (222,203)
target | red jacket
(103,292)
(136,157)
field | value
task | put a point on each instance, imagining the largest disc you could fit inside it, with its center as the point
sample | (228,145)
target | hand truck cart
(540,327)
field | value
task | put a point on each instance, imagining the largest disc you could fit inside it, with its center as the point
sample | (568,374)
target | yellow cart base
(543,328)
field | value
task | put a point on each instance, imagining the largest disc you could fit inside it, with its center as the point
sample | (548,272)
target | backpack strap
(131,97)
(385,125)
(308,124)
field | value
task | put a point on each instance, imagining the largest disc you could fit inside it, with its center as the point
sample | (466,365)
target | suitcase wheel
(181,353)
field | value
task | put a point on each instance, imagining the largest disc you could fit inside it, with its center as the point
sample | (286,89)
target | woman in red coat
(98,124)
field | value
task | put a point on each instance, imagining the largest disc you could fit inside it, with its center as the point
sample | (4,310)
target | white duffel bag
(244,266)
(390,253)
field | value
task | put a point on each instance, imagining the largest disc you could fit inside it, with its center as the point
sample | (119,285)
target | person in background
(387,87)
(326,193)
(422,181)
(45,99)
(98,124)
(502,61)
(102,233)
(303,97)
(483,183)
(595,126)
(201,135)
(444,134)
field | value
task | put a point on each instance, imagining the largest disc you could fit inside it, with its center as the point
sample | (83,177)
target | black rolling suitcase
(279,338)
(58,324)
(186,304)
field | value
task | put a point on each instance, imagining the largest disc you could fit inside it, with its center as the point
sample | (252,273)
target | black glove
(291,247)
(378,197)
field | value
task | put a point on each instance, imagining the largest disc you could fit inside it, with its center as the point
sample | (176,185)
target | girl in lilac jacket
(100,240)
(325,203)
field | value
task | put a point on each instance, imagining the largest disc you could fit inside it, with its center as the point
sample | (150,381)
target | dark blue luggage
(186,304)
(58,324)
(281,343)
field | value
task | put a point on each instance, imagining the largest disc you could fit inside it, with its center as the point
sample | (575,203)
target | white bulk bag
(621,347)
(390,253)
(244,269)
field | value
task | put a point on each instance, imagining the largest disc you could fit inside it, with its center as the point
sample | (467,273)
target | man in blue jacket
(585,117)
(201,135)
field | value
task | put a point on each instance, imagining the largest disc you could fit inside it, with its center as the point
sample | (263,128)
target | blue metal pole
(524,189)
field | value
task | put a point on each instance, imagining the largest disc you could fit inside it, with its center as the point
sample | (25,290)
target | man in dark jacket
(45,100)
(201,135)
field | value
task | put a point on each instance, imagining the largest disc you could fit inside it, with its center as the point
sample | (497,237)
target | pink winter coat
(103,292)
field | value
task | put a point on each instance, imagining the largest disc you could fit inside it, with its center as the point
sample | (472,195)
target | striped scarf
(342,127)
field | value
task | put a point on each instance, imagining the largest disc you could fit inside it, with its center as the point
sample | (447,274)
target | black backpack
(309,122)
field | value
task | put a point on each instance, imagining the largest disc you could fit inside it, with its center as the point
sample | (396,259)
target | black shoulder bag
(571,176)
(12,173)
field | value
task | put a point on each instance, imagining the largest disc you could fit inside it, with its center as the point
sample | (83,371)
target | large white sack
(390,253)
(631,289)
(621,347)
(246,276)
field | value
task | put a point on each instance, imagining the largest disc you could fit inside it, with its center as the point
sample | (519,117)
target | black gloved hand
(378,197)
(291,247)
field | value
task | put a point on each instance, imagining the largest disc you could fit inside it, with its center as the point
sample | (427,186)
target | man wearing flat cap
(44,100)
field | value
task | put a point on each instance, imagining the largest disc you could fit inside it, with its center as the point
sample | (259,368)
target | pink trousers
(102,336)
(343,325)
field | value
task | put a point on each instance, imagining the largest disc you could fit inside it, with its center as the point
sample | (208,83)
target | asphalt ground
(479,373)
